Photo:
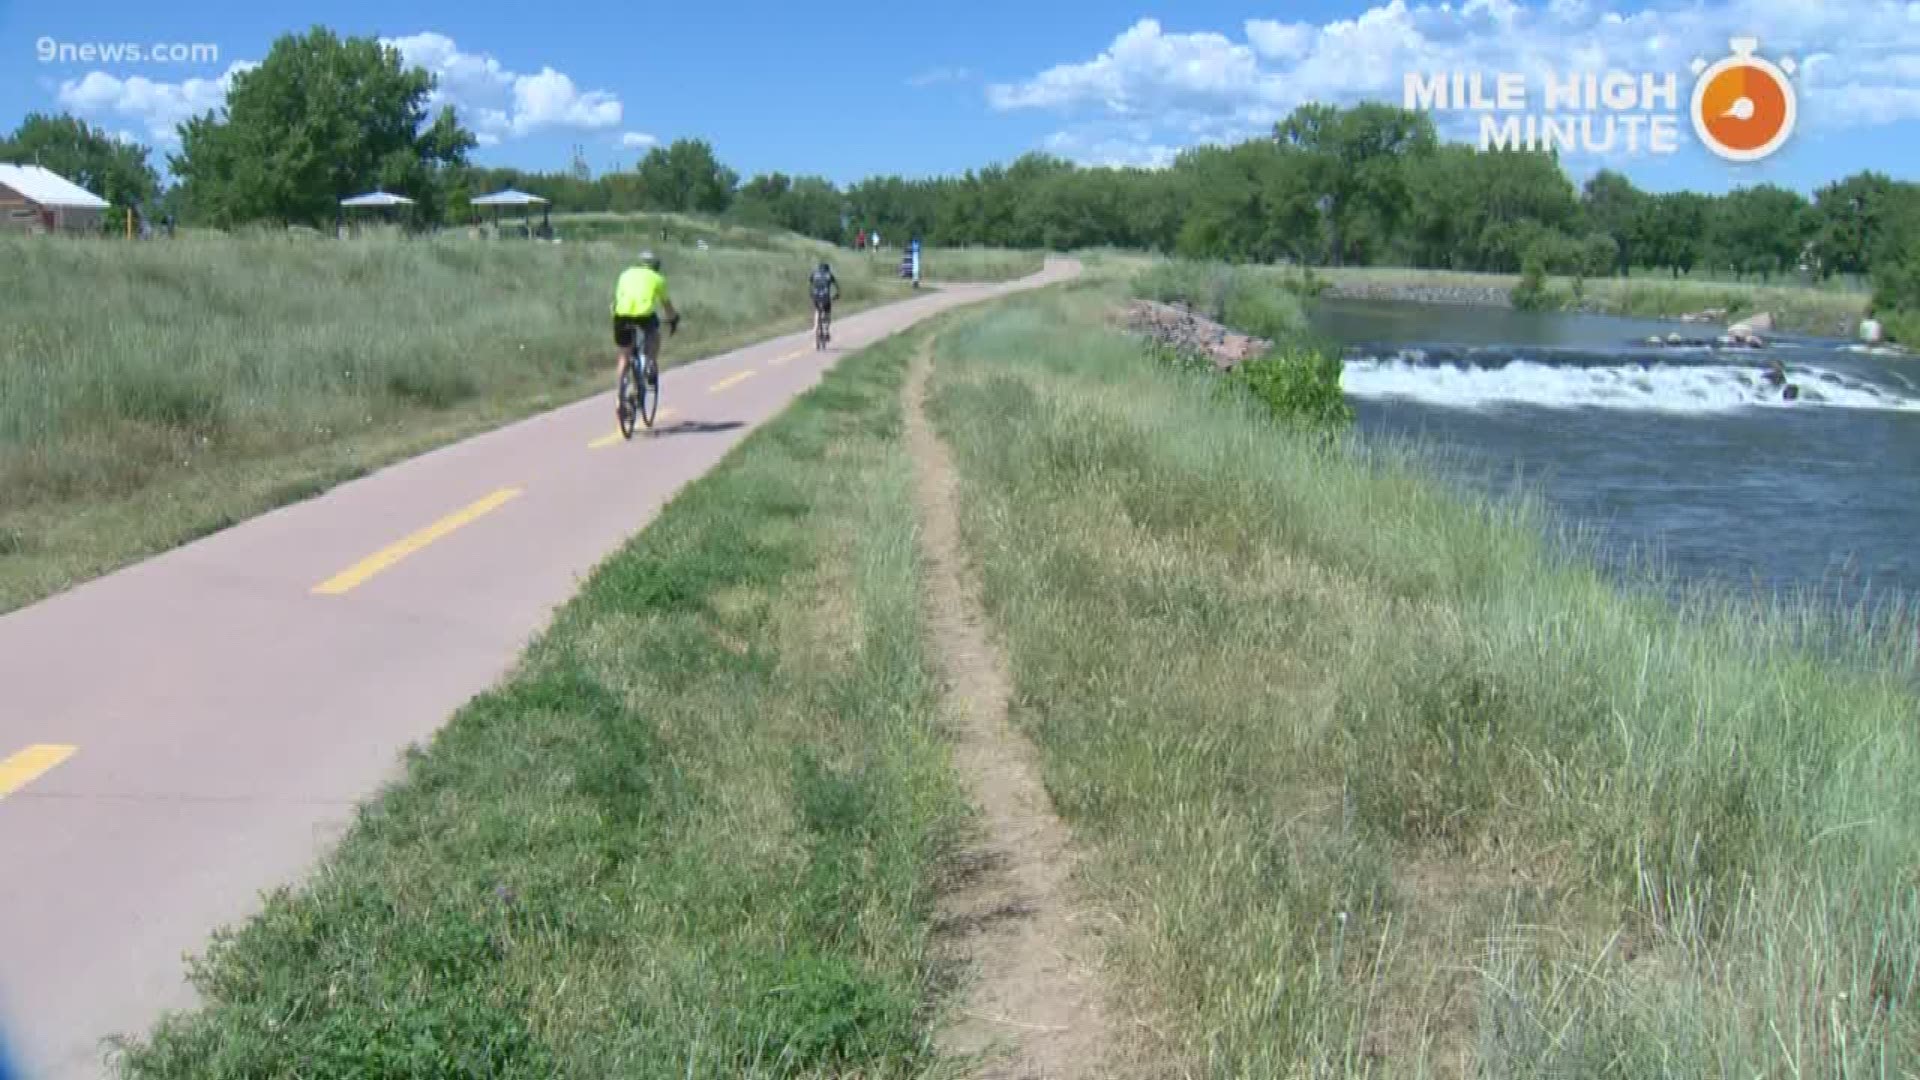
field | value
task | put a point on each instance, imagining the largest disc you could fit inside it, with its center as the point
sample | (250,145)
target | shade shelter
(526,203)
(387,203)
(34,199)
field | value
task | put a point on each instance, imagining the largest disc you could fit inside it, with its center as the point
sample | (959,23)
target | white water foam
(1671,388)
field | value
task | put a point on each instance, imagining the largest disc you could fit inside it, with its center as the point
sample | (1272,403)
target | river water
(1685,454)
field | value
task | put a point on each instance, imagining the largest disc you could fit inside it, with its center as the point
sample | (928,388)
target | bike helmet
(649,260)
(825,267)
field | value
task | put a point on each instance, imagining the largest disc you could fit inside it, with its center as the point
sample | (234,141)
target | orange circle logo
(1743,107)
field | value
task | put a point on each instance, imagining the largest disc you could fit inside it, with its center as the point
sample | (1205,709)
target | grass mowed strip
(153,393)
(1378,780)
(693,836)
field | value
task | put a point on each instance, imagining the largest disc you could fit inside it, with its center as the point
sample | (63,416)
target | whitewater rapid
(1694,385)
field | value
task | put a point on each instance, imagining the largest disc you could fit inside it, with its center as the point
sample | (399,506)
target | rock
(1762,321)
(1871,331)
(1674,338)
(1183,330)
(1655,340)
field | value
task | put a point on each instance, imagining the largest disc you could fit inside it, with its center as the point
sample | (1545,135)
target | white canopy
(49,188)
(377,198)
(509,197)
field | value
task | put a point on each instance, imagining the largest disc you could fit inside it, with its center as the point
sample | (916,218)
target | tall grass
(1384,781)
(695,835)
(1255,300)
(972,264)
(151,392)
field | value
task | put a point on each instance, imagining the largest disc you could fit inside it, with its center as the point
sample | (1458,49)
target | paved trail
(178,736)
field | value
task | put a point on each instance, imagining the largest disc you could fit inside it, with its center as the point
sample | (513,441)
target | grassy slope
(153,393)
(1824,309)
(1376,783)
(693,836)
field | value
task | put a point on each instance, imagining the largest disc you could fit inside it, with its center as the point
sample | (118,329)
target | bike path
(179,736)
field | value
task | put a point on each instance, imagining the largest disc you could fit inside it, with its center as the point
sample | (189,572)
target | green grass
(680,230)
(151,393)
(976,264)
(1381,781)
(696,834)
(1833,309)
(1256,300)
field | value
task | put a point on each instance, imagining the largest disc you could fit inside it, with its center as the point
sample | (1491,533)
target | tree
(686,176)
(1761,230)
(1619,210)
(1677,231)
(320,119)
(116,171)
(1356,159)
(1848,222)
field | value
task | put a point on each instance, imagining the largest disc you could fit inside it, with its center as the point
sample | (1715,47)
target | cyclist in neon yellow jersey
(639,299)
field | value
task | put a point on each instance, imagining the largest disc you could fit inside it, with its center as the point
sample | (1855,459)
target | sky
(851,89)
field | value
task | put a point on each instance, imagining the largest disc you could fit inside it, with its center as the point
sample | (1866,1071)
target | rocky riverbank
(1179,327)
(1460,295)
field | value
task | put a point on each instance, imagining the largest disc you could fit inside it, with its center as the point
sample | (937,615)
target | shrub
(1532,294)
(1299,384)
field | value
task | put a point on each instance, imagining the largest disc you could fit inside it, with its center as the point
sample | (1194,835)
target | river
(1685,453)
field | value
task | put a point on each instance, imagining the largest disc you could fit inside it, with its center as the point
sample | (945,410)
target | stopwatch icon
(1744,106)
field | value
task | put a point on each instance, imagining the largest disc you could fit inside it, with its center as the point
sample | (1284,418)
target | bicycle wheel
(628,407)
(649,390)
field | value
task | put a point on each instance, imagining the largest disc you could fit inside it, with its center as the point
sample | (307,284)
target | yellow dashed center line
(794,355)
(734,379)
(30,764)
(615,438)
(357,574)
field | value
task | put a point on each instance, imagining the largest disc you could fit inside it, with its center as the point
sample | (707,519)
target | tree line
(323,117)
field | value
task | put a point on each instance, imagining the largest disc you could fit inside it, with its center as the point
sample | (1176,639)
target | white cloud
(1110,150)
(160,106)
(497,103)
(1183,87)
(494,103)
(1279,41)
(638,140)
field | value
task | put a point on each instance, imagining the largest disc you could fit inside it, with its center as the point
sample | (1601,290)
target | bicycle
(639,390)
(821,328)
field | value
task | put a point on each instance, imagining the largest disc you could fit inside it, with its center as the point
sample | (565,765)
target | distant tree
(1356,160)
(1619,210)
(116,171)
(1761,230)
(1848,220)
(321,118)
(686,176)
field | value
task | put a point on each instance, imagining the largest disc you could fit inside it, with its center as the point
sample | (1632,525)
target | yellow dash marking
(734,379)
(615,439)
(795,355)
(357,574)
(30,764)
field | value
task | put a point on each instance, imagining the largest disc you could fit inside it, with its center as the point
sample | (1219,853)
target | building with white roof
(41,200)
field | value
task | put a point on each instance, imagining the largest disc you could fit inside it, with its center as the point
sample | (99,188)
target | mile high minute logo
(1742,107)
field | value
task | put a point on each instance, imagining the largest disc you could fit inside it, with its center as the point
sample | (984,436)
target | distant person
(825,289)
(860,240)
(639,297)
(876,239)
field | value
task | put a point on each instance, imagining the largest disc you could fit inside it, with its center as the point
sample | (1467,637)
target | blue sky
(851,89)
